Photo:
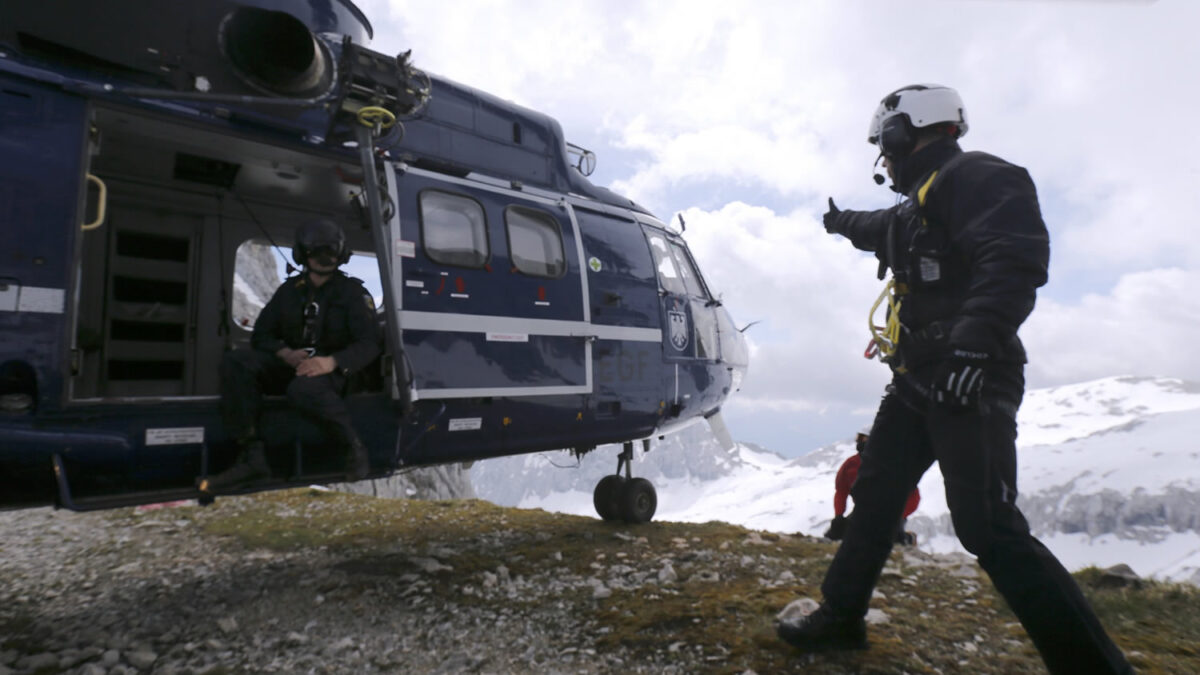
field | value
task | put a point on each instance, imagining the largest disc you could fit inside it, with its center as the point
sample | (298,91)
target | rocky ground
(316,582)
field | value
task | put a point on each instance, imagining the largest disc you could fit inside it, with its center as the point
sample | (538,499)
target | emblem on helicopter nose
(679,329)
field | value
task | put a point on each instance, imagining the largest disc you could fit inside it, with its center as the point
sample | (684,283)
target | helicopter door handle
(101,203)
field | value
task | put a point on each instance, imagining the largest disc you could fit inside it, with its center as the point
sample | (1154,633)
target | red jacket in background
(845,479)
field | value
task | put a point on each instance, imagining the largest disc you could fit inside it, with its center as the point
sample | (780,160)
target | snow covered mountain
(1109,472)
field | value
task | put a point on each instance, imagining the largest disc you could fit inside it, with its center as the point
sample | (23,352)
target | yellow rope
(885,337)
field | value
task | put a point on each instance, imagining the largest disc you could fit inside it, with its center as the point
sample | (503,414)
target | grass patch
(721,609)
(1157,624)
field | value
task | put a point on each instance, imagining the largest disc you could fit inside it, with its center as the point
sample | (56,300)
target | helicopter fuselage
(143,189)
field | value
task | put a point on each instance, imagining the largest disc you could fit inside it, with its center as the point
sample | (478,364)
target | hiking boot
(358,463)
(250,465)
(824,631)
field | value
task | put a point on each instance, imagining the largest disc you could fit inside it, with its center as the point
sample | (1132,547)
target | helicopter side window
(668,272)
(453,229)
(687,270)
(535,242)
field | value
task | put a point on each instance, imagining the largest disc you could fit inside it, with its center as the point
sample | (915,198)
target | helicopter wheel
(607,497)
(638,500)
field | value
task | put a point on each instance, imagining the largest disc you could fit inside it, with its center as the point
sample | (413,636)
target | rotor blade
(717,424)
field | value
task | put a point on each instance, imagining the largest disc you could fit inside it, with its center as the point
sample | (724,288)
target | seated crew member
(845,480)
(317,330)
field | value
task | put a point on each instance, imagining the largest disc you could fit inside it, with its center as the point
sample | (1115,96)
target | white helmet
(914,107)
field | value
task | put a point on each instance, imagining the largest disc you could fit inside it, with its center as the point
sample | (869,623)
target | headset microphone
(878,177)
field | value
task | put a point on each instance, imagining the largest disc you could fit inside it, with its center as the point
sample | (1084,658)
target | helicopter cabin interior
(158,297)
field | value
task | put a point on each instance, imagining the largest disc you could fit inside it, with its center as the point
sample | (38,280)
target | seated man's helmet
(902,112)
(318,236)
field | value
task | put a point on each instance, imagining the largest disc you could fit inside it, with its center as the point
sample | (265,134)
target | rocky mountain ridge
(1107,469)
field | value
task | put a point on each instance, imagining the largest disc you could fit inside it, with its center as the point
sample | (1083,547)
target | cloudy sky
(746,116)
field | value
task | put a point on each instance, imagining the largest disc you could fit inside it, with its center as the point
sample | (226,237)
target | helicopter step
(626,498)
(260,476)
(67,500)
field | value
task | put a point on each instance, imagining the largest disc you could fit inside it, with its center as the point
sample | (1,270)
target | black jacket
(967,262)
(347,328)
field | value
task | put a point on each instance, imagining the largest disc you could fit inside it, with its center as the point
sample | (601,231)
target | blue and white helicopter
(145,145)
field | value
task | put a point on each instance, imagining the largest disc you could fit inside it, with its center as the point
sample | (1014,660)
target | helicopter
(147,147)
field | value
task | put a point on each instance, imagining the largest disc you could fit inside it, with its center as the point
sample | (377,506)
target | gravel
(149,591)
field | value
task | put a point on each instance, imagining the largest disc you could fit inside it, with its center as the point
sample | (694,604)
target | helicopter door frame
(391,268)
(689,314)
(518,330)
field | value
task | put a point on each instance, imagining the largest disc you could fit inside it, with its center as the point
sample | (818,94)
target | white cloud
(1146,326)
(1091,97)
(812,292)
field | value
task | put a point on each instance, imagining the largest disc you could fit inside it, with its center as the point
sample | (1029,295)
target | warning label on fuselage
(175,436)
(466,424)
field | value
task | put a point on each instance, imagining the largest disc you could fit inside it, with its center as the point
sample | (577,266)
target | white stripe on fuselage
(484,323)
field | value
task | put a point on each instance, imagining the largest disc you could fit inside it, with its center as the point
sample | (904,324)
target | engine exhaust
(274,52)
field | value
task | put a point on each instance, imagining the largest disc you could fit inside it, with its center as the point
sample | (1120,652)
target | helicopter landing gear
(618,497)
(607,496)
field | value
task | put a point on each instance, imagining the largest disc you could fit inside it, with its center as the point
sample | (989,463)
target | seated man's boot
(824,631)
(250,465)
(358,463)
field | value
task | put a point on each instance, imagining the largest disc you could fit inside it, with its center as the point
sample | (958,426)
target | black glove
(831,218)
(958,381)
(836,529)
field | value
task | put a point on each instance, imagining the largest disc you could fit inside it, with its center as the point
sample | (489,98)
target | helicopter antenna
(682,225)
(287,261)
(743,329)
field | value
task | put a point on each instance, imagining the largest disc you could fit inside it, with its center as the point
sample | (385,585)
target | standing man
(842,485)
(316,331)
(967,250)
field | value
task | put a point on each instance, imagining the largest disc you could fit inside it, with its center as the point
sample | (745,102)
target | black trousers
(247,375)
(978,459)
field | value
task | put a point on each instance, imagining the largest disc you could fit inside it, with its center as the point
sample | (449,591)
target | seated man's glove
(958,381)
(831,218)
(836,529)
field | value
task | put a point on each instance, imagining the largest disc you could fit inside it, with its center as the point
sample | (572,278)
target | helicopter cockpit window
(453,229)
(664,262)
(535,242)
(691,278)
(260,268)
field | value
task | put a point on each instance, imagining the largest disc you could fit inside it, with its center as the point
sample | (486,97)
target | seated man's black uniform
(333,318)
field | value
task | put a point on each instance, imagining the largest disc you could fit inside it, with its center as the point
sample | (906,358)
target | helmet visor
(324,254)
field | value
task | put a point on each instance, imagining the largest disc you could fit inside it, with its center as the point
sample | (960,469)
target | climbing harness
(886,337)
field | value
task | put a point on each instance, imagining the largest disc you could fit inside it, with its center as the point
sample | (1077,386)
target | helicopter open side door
(491,290)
